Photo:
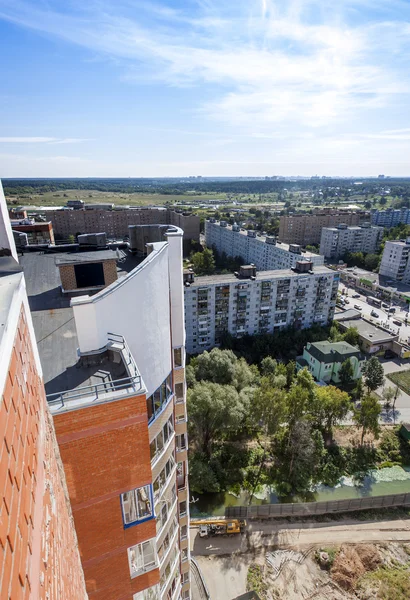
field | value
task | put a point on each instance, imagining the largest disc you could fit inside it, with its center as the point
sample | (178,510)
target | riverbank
(379,482)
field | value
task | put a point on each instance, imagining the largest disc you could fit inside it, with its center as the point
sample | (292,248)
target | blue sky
(118,88)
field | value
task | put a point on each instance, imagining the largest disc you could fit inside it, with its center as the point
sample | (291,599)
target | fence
(303,509)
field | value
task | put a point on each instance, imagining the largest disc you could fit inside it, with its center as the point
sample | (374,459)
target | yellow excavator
(212,527)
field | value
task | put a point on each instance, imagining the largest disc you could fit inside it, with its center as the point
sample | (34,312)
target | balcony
(111,373)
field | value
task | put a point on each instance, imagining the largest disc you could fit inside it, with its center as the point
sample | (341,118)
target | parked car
(357,307)
(355,295)
(389,354)
(347,301)
(392,310)
(385,305)
(374,314)
(397,322)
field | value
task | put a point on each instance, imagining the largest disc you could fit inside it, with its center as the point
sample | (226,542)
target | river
(390,480)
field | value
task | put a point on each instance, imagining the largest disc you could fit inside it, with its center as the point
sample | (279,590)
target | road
(384,318)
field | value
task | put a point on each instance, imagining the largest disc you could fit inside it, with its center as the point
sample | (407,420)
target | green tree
(215,412)
(203,262)
(373,374)
(297,455)
(371,262)
(268,411)
(222,366)
(330,406)
(268,366)
(351,336)
(290,372)
(367,416)
(346,373)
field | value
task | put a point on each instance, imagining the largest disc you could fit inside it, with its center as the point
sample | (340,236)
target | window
(179,391)
(157,401)
(182,508)
(159,443)
(163,477)
(142,557)
(177,358)
(137,505)
(184,532)
(184,554)
(181,442)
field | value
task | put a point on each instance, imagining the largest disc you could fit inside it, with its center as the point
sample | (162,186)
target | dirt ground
(224,562)
(351,435)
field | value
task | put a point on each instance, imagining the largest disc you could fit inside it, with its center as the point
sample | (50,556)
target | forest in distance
(176,186)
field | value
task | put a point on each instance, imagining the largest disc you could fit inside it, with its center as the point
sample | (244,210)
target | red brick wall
(105,451)
(39,556)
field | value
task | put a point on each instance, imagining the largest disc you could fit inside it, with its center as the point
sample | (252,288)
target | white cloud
(40,140)
(291,70)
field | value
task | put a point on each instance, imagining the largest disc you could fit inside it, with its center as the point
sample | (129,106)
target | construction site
(364,557)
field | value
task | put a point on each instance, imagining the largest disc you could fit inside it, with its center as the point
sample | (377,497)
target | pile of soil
(352,562)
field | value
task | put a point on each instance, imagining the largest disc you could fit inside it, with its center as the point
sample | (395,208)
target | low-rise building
(254,303)
(37,233)
(252,247)
(336,241)
(324,359)
(372,337)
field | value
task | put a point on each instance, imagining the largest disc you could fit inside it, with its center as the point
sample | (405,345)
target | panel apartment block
(336,241)
(390,217)
(119,410)
(265,303)
(306,229)
(39,556)
(395,263)
(253,248)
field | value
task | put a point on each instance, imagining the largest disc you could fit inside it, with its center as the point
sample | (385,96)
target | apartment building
(262,251)
(306,229)
(254,303)
(395,263)
(37,233)
(336,241)
(39,555)
(115,222)
(390,217)
(114,372)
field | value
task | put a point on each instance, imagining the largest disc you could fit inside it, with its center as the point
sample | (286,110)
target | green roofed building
(324,359)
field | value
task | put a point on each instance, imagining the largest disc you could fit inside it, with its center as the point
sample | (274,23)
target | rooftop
(332,351)
(260,276)
(56,334)
(73,258)
(369,331)
(262,238)
(390,285)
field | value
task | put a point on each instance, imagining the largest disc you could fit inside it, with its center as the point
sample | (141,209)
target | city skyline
(142,89)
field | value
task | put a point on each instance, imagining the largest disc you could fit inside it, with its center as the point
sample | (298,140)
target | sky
(151,88)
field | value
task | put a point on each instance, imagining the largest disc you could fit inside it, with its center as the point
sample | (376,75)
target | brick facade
(115,222)
(69,280)
(105,451)
(39,556)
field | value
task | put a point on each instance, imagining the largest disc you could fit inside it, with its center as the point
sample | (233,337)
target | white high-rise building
(336,241)
(254,303)
(253,248)
(395,262)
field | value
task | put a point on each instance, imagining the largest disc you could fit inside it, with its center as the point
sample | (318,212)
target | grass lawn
(402,379)
(97,197)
